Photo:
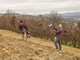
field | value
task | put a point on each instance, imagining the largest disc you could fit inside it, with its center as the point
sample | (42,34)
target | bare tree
(55,18)
(10,11)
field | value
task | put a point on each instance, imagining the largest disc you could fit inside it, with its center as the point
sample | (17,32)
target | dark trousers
(57,40)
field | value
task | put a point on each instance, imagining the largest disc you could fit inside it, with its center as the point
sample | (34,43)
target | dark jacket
(58,32)
(23,26)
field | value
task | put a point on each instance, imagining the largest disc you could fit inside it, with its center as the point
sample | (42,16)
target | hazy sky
(40,6)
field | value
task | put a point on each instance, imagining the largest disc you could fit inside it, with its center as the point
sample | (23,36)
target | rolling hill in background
(1,14)
(71,16)
(74,16)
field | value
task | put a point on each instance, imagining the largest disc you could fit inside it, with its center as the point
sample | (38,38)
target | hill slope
(13,48)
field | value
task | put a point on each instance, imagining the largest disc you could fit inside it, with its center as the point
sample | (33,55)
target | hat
(21,21)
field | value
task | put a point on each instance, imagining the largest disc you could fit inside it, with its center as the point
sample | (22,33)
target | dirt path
(13,48)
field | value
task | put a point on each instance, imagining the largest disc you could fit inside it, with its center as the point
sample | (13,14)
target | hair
(60,25)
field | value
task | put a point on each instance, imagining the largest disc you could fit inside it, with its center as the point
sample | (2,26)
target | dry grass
(12,47)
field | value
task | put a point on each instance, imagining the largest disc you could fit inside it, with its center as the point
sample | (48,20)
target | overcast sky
(40,6)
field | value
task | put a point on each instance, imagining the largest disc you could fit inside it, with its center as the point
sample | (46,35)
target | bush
(38,26)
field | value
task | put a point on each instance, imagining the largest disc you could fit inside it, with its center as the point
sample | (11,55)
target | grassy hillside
(12,47)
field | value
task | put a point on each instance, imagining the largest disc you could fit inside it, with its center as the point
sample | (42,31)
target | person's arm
(25,27)
(59,31)
(54,28)
(19,27)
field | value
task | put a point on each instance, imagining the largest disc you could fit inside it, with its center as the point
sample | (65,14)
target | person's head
(21,22)
(60,25)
